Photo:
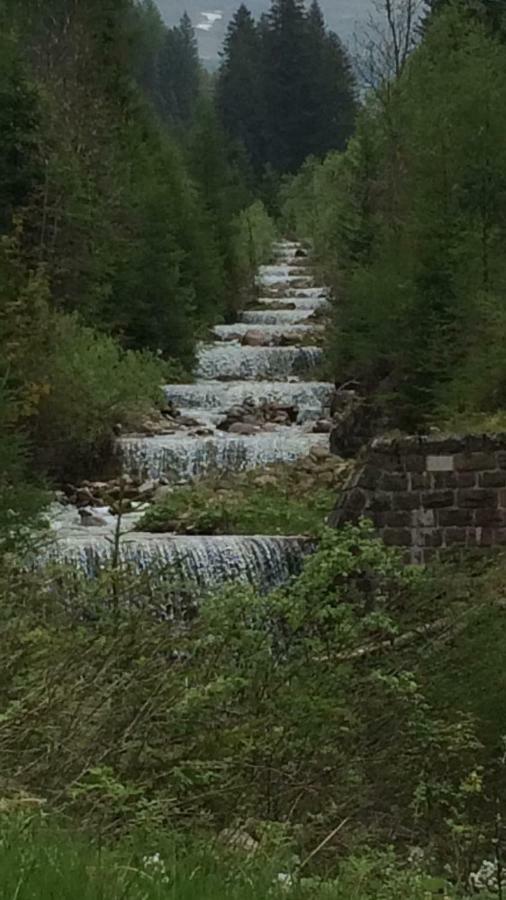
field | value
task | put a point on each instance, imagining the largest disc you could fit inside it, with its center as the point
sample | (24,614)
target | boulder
(242,428)
(254,338)
(90,519)
(319,453)
(323,426)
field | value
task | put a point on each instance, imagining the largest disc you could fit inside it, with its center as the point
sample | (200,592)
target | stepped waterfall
(268,356)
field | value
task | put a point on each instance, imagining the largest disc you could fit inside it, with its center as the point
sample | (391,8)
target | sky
(211,17)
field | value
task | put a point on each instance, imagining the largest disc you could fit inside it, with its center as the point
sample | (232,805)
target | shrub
(283,499)
(255,233)
(21,500)
(86,385)
(294,709)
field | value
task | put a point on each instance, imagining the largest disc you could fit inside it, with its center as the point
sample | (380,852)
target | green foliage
(41,859)
(21,501)
(293,710)
(87,385)
(255,235)
(410,223)
(279,500)
(286,88)
(19,166)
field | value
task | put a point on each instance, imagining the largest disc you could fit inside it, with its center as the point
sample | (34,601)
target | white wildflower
(155,865)
(485,878)
(285,880)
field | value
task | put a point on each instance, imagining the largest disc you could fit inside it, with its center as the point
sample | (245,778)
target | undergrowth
(280,499)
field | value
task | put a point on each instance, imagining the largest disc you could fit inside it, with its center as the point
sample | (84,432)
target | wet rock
(323,426)
(242,428)
(90,519)
(300,253)
(319,453)
(254,338)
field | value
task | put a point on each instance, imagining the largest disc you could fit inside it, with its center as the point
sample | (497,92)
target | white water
(278,317)
(183,457)
(222,395)
(204,561)
(271,332)
(234,361)
(227,375)
(289,301)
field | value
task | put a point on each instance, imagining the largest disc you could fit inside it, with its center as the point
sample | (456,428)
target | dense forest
(341,737)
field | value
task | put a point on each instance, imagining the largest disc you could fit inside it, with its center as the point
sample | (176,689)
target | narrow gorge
(255,401)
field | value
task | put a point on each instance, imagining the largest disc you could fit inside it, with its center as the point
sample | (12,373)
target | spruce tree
(239,93)
(178,73)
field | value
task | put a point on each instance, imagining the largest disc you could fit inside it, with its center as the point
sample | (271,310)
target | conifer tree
(239,93)
(178,73)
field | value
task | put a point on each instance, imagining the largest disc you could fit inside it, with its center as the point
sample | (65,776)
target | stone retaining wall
(433,496)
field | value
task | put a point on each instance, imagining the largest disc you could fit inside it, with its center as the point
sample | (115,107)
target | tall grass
(41,862)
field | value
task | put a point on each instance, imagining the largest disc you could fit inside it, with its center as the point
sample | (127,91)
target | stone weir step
(296,302)
(281,318)
(221,361)
(222,395)
(265,562)
(183,457)
(268,334)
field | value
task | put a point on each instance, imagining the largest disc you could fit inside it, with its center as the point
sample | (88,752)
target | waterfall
(184,457)
(205,561)
(222,395)
(280,317)
(271,333)
(237,362)
(228,374)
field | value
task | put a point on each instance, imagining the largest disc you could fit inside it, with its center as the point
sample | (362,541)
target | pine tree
(239,93)
(178,73)
(287,67)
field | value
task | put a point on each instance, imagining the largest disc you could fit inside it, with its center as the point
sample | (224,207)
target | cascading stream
(268,357)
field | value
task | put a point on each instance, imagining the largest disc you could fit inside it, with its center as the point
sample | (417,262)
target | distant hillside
(211,17)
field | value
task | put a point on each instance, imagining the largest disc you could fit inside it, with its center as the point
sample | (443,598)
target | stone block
(488,518)
(486,537)
(397,537)
(432,538)
(381,501)
(440,463)
(393,481)
(474,461)
(456,518)
(496,479)
(387,462)
(501,459)
(368,478)
(437,499)
(500,537)
(454,536)
(356,500)
(442,480)
(477,498)
(420,481)
(406,500)
(395,519)
(415,463)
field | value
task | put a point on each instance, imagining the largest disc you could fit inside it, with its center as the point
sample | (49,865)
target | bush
(278,500)
(21,500)
(86,384)
(295,710)
(255,234)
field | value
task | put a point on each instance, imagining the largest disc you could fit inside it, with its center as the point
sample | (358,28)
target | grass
(283,500)
(42,862)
